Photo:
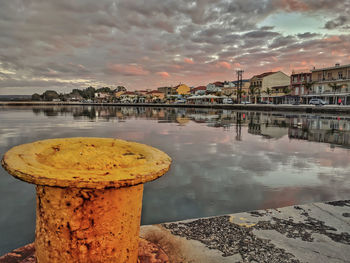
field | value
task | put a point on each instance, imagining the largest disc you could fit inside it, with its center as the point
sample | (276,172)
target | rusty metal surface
(86,163)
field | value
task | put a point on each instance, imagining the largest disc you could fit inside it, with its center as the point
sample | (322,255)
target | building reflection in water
(331,129)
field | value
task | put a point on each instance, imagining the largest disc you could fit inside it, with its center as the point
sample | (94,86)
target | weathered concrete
(336,109)
(317,232)
(147,253)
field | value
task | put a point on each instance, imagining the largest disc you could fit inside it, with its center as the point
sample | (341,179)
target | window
(340,74)
(329,75)
(319,76)
(297,91)
(301,90)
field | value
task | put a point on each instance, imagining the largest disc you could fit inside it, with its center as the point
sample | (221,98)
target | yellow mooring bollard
(89,195)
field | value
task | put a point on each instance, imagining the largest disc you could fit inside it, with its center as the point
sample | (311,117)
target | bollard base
(148,253)
(87,225)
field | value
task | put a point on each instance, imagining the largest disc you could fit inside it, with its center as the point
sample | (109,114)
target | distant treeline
(87,94)
(15,97)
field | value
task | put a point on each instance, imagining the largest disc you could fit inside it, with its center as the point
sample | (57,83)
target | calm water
(223,161)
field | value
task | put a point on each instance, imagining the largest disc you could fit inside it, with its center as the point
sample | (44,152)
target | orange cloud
(294,5)
(338,53)
(128,70)
(224,64)
(332,39)
(188,61)
(163,74)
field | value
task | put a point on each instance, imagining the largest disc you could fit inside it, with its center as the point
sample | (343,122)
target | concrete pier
(318,232)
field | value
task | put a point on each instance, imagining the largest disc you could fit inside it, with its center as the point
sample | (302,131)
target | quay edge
(316,232)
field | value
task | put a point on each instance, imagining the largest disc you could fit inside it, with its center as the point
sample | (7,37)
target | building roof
(129,93)
(263,75)
(154,91)
(218,83)
(199,88)
(337,66)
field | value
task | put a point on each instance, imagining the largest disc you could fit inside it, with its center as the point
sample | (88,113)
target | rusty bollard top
(96,163)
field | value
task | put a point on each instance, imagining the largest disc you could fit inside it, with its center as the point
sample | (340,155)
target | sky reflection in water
(223,161)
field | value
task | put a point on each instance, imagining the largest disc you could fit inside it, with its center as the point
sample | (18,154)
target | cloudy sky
(61,45)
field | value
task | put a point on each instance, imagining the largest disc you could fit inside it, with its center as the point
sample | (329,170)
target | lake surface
(223,161)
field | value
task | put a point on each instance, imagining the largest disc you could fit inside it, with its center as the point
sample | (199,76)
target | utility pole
(239,84)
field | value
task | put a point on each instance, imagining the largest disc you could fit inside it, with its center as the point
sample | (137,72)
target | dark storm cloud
(125,42)
(282,41)
(307,35)
(342,22)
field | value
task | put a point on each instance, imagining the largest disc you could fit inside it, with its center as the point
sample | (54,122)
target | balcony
(325,80)
(341,92)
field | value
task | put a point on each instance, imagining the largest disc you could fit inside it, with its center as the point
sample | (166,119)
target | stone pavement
(318,232)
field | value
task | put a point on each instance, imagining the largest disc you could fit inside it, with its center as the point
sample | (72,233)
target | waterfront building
(215,87)
(183,89)
(300,85)
(228,91)
(245,89)
(128,96)
(200,90)
(102,96)
(155,96)
(74,97)
(331,84)
(142,92)
(270,86)
(167,90)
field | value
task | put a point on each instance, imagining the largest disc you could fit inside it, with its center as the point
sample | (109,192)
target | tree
(104,89)
(252,91)
(268,93)
(286,91)
(335,87)
(36,97)
(239,93)
(120,88)
(89,93)
(308,85)
(50,95)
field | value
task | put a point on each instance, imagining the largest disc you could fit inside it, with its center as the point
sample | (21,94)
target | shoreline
(249,107)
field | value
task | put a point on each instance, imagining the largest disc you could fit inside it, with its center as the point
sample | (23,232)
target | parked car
(227,101)
(317,102)
(265,102)
(246,102)
(181,101)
